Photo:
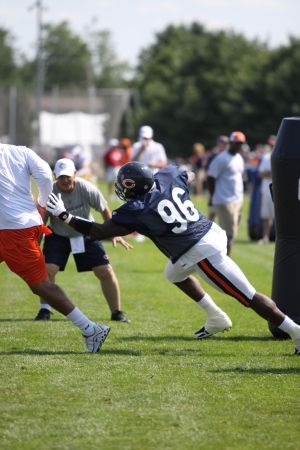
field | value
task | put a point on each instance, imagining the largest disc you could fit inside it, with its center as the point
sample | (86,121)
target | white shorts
(267,207)
(218,270)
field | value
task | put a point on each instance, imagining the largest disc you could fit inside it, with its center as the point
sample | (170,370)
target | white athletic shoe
(218,322)
(297,345)
(95,341)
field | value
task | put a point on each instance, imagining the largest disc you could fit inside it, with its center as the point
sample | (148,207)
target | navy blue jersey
(166,214)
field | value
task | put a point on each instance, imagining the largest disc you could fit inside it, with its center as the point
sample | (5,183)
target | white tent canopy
(59,130)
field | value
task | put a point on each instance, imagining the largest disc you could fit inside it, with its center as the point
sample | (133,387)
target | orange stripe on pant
(223,283)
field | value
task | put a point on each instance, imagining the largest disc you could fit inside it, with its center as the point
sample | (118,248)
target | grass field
(152,386)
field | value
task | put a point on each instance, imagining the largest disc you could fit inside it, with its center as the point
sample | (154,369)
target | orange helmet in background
(237,136)
(125,142)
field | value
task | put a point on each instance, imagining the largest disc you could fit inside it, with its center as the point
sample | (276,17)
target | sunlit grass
(152,386)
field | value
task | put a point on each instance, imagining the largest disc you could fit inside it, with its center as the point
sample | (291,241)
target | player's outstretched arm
(108,229)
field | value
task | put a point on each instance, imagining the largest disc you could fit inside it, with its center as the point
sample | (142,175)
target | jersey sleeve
(126,215)
(41,173)
(166,175)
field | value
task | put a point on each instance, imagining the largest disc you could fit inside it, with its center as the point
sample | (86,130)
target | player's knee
(170,275)
(105,273)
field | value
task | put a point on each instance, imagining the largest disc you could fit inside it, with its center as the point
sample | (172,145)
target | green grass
(152,386)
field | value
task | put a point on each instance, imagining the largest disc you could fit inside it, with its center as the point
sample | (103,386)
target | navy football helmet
(133,179)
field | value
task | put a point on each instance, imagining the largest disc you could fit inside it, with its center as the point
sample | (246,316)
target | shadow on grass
(59,353)
(271,371)
(191,338)
(32,320)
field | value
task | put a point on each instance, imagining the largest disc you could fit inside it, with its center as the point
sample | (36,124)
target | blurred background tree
(193,84)
(8,67)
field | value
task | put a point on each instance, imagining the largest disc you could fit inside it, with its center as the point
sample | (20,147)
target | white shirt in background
(153,152)
(265,166)
(227,169)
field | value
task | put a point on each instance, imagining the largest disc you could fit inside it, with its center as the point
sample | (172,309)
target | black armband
(83,226)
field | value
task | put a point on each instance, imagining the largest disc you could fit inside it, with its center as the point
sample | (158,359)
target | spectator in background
(82,162)
(267,206)
(113,160)
(271,141)
(89,254)
(125,146)
(221,145)
(148,151)
(198,160)
(226,187)
(21,226)
(255,155)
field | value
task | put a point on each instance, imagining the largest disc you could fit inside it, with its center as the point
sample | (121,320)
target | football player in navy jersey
(160,208)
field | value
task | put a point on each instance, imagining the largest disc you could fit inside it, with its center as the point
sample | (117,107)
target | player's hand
(56,206)
(121,241)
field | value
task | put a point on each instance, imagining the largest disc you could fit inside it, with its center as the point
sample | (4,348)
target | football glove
(56,206)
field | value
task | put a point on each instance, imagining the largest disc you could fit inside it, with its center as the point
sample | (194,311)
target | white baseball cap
(64,166)
(113,142)
(146,132)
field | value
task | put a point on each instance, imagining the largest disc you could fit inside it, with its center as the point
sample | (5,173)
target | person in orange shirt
(125,146)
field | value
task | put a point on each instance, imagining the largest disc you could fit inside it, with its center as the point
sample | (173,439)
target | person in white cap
(226,187)
(21,226)
(148,151)
(113,160)
(79,196)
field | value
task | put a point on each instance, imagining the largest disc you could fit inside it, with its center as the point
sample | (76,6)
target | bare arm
(265,174)
(156,164)
(139,153)
(106,230)
(211,182)
(106,215)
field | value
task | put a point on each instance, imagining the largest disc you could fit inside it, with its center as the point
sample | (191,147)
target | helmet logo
(128,184)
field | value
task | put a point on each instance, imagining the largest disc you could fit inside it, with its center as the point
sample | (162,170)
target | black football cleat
(44,314)
(119,316)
